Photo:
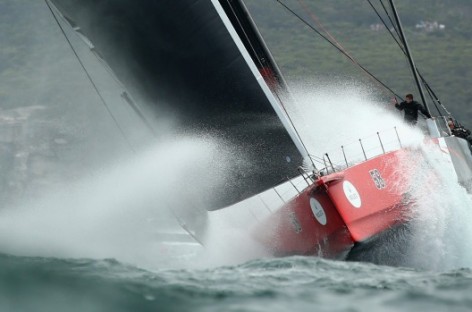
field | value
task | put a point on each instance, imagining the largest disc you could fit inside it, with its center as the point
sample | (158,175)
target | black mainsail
(203,63)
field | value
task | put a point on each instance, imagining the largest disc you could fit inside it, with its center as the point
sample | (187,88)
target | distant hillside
(438,32)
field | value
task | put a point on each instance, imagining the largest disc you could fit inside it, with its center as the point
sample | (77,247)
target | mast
(409,55)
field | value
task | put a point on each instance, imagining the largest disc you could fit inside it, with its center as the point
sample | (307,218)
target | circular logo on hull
(318,211)
(352,194)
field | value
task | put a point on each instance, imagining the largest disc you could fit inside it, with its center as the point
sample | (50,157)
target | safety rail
(367,148)
(282,193)
(349,155)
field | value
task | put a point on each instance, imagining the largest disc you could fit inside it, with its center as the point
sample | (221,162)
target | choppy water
(295,283)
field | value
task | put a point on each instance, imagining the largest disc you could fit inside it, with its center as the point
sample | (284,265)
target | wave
(299,283)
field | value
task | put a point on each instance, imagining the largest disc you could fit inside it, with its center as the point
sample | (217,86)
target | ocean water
(293,283)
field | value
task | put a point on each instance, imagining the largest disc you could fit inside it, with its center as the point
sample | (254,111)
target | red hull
(342,209)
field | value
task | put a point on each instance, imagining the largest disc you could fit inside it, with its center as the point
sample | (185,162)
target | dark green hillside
(443,56)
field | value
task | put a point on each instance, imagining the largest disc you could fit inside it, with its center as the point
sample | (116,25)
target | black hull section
(178,58)
(391,247)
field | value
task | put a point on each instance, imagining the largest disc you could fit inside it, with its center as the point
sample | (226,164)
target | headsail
(181,58)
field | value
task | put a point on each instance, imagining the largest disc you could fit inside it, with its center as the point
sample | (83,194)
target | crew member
(459,131)
(411,109)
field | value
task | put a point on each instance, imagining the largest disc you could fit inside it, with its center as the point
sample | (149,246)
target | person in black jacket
(411,109)
(459,131)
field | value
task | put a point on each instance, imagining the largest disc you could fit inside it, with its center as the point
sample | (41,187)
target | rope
(340,48)
(88,76)
(245,34)
(386,26)
(390,19)
(320,25)
(275,93)
(431,93)
(336,47)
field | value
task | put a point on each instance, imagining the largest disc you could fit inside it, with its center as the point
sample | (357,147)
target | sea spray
(441,235)
(115,212)
(347,121)
(229,240)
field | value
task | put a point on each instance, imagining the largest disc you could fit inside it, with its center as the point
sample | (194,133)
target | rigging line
(434,94)
(390,18)
(317,21)
(336,47)
(398,43)
(434,97)
(402,48)
(275,92)
(386,26)
(431,96)
(125,95)
(295,129)
(409,54)
(245,34)
(88,76)
(320,25)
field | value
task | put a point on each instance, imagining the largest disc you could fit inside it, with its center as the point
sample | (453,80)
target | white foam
(114,213)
